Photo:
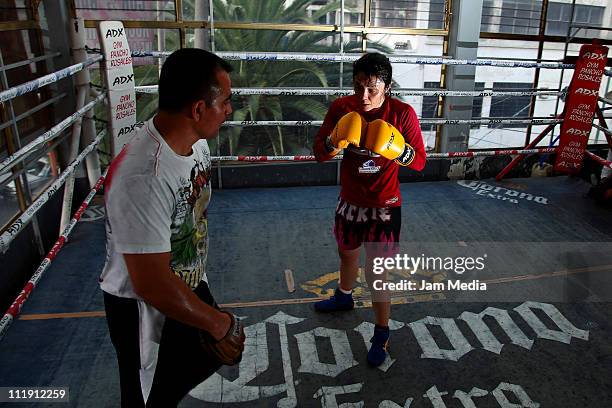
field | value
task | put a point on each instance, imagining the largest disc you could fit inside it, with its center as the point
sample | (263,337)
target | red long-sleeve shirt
(369,181)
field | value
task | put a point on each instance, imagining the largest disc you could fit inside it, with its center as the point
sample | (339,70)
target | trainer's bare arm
(156,284)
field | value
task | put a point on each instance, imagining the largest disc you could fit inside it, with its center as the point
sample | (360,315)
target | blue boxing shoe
(339,302)
(380,343)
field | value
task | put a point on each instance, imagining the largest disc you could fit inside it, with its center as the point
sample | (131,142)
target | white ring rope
(51,134)
(152,89)
(47,79)
(433,121)
(281,56)
(11,232)
(449,155)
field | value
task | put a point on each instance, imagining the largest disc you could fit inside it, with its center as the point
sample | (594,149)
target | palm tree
(274,140)
(262,74)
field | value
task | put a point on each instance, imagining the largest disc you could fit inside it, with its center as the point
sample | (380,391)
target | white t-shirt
(156,201)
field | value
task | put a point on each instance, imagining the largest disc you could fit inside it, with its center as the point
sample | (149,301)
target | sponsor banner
(119,82)
(497,192)
(580,107)
(140,38)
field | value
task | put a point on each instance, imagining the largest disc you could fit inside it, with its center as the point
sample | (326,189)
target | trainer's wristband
(406,157)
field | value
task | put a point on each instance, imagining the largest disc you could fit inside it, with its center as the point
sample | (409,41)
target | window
(559,14)
(488,19)
(510,106)
(520,17)
(513,17)
(430,105)
(394,13)
(477,103)
(436,14)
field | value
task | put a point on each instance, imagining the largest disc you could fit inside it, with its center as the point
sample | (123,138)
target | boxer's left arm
(411,130)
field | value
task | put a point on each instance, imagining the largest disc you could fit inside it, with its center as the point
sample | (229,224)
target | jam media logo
(578,132)
(595,56)
(369,167)
(588,92)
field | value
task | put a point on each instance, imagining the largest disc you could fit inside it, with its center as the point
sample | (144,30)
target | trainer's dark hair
(188,75)
(374,63)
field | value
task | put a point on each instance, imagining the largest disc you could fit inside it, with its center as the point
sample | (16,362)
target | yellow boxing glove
(348,130)
(384,139)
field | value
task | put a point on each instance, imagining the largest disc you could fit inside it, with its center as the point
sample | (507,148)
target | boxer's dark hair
(374,63)
(189,75)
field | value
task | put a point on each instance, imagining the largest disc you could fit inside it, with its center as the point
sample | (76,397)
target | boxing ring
(546,338)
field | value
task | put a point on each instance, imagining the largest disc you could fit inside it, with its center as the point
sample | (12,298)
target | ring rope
(46,80)
(603,129)
(604,100)
(433,121)
(11,232)
(599,160)
(449,155)
(266,56)
(153,89)
(51,134)
(15,308)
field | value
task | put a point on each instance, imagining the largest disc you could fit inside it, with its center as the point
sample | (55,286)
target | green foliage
(261,74)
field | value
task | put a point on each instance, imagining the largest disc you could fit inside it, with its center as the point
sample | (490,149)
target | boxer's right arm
(348,130)
(338,130)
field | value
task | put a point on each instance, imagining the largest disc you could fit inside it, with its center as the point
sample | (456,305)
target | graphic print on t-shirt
(189,240)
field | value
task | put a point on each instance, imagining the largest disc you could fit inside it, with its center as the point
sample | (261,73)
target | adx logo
(594,55)
(120,80)
(588,92)
(390,143)
(126,129)
(578,132)
(111,32)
